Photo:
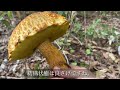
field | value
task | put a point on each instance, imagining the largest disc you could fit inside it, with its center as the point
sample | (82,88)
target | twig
(66,57)
(105,49)
(62,52)
(66,52)
(57,45)
(77,39)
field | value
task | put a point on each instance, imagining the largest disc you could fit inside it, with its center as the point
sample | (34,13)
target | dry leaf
(101,74)
(105,55)
(111,68)
(117,60)
(93,64)
(112,56)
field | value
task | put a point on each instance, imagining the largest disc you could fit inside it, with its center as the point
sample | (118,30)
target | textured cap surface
(33,30)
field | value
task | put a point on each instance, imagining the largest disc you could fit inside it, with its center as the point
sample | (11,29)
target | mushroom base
(54,57)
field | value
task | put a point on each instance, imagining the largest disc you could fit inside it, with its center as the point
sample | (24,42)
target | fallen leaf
(105,55)
(110,76)
(117,60)
(111,68)
(101,74)
(93,64)
(112,56)
(98,67)
(3,73)
(2,47)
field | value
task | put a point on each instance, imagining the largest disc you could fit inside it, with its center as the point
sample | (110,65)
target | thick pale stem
(53,55)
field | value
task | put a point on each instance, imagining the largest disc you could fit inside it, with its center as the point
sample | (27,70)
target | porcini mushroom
(38,30)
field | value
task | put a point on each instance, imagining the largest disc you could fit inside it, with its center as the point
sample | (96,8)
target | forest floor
(99,55)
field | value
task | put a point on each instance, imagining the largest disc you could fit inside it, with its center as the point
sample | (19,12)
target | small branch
(66,52)
(62,52)
(66,57)
(104,49)
(57,45)
(77,39)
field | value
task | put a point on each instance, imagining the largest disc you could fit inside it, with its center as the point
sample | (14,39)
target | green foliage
(91,32)
(77,27)
(6,23)
(97,30)
(5,18)
(10,14)
(74,63)
(37,66)
(72,50)
(82,64)
(88,51)
(2,15)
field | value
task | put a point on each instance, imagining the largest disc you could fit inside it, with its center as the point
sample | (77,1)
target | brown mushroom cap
(33,30)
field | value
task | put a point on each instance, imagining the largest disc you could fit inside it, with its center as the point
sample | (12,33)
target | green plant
(82,64)
(88,51)
(72,50)
(97,31)
(5,18)
(74,63)
(92,32)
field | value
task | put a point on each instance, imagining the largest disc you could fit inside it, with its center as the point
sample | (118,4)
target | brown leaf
(105,55)
(93,64)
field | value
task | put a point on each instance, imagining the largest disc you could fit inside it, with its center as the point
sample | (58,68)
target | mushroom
(38,30)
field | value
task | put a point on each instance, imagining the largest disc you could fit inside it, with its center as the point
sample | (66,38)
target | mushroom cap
(34,30)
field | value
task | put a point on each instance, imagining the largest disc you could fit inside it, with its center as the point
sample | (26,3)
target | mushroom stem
(53,55)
